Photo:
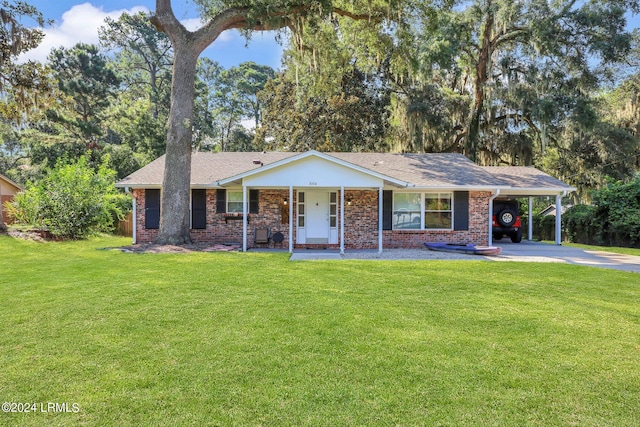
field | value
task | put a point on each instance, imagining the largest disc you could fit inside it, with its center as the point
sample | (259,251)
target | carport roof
(528,181)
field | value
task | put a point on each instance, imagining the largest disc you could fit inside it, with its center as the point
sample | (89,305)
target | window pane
(234,201)
(234,196)
(300,221)
(409,220)
(445,202)
(333,209)
(300,209)
(431,202)
(406,201)
(333,197)
(406,211)
(437,220)
(332,222)
(234,207)
(301,197)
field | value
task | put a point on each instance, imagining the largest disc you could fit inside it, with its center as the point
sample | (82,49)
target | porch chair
(262,236)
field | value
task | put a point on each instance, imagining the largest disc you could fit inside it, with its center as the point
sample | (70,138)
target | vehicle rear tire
(517,238)
(506,217)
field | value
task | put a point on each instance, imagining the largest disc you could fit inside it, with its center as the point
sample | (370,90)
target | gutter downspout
(491,199)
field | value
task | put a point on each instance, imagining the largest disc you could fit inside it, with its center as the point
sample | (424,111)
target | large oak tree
(222,16)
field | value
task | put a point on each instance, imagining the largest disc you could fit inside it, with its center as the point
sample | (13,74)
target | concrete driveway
(545,252)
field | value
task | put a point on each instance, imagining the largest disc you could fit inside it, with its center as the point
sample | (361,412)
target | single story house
(337,200)
(8,189)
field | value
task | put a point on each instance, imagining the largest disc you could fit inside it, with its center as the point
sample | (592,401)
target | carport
(524,181)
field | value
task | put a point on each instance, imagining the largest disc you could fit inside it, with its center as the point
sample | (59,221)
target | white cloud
(79,24)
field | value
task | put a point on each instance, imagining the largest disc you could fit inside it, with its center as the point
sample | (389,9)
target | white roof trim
(314,153)
(544,191)
(462,188)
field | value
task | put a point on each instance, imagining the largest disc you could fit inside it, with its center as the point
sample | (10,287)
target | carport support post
(558,219)
(530,219)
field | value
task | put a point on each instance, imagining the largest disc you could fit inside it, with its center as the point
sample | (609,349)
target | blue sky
(77,20)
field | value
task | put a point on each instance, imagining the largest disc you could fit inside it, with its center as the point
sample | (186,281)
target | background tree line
(553,85)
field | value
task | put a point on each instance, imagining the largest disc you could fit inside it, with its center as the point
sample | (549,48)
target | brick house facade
(337,200)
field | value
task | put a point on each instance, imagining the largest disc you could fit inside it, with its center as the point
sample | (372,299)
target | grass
(253,339)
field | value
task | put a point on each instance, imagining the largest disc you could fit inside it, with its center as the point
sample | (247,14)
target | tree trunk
(482,75)
(174,221)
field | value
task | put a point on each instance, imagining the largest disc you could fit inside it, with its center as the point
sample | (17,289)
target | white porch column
(558,219)
(341,220)
(135,217)
(244,218)
(380,214)
(530,218)
(291,219)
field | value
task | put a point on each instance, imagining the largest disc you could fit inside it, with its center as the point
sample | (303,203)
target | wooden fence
(125,227)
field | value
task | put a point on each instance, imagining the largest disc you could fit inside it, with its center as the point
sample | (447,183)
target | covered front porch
(320,218)
(329,201)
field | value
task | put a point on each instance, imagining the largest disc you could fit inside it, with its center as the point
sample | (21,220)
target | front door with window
(317,217)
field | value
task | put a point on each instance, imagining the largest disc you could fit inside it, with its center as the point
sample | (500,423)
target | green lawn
(253,339)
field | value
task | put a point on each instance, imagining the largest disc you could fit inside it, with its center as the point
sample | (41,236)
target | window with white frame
(438,211)
(422,211)
(234,201)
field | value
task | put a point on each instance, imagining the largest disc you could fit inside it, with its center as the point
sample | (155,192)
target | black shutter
(387,209)
(198,209)
(221,201)
(151,209)
(461,210)
(254,201)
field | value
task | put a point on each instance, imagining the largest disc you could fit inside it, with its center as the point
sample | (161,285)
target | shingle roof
(420,170)
(206,168)
(527,177)
(424,170)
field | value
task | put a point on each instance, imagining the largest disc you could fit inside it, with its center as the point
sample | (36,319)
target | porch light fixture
(285,201)
(349,202)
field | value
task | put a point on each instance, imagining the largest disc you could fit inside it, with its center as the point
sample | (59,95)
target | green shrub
(579,225)
(613,219)
(73,201)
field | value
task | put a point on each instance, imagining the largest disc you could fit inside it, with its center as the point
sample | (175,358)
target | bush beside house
(613,219)
(73,201)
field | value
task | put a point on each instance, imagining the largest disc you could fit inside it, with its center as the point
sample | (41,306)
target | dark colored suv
(506,220)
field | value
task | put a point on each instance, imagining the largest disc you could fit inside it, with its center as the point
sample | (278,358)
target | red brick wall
(361,223)
(220,230)
(478,232)
(361,219)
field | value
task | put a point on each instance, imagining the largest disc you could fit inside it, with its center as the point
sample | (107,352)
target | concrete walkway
(545,252)
(522,252)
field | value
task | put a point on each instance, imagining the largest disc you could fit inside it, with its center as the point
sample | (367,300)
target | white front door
(317,227)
